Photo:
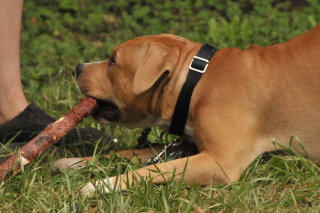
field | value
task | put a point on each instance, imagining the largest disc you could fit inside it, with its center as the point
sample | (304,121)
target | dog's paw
(104,185)
(88,189)
(66,163)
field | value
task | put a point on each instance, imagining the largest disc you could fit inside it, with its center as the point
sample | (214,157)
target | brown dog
(245,99)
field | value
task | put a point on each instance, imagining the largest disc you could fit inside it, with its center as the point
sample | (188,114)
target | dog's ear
(159,59)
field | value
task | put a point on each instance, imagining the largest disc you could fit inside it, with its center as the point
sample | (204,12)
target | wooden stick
(48,137)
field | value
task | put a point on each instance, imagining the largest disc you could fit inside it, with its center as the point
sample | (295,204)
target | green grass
(57,35)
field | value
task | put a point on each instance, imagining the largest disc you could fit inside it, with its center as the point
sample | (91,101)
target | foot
(33,120)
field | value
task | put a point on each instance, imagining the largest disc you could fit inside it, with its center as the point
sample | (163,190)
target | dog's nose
(79,70)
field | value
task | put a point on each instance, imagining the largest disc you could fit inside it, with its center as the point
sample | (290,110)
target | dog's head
(130,84)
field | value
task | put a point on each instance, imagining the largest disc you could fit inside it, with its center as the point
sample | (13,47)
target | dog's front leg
(201,169)
(77,162)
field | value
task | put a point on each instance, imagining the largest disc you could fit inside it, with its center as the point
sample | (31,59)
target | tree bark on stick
(48,137)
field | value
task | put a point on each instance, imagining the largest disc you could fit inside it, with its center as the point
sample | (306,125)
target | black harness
(197,67)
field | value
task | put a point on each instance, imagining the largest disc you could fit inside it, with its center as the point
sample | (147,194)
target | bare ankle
(10,109)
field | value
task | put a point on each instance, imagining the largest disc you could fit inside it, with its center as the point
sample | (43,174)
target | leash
(197,67)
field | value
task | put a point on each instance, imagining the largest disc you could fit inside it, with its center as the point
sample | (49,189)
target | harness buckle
(199,64)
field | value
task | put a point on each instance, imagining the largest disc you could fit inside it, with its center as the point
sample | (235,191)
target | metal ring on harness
(166,149)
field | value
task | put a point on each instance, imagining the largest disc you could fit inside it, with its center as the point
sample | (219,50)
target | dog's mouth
(106,112)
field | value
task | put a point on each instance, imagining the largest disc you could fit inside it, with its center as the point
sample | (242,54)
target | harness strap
(197,67)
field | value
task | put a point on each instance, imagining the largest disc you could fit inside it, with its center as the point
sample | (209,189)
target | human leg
(19,120)
(12,99)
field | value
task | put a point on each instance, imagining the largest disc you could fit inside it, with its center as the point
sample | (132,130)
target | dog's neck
(172,85)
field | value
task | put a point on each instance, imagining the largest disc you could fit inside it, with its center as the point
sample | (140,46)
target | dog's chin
(107,112)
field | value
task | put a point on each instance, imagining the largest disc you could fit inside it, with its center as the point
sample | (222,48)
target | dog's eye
(112,60)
